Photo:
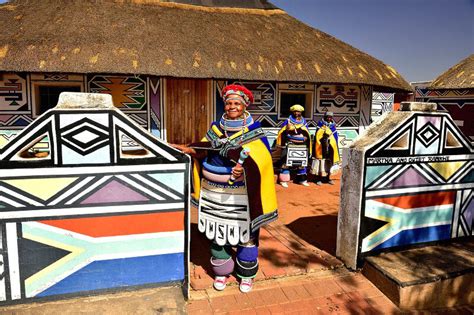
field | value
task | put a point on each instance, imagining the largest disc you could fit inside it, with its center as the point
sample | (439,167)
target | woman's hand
(183,148)
(237,171)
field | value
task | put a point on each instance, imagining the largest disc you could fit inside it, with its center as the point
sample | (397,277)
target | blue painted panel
(421,235)
(108,274)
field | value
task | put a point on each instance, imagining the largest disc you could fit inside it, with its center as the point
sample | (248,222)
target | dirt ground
(311,212)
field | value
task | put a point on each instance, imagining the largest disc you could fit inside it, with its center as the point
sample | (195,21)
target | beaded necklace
(235,125)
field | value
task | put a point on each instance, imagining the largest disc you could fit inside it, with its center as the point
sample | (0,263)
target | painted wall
(408,180)
(351,106)
(138,96)
(458,103)
(141,98)
(103,207)
(381,103)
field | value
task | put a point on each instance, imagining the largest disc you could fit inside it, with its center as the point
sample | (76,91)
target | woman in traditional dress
(233,181)
(294,135)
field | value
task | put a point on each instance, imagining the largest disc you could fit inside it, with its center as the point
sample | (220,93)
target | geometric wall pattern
(345,102)
(95,212)
(138,96)
(458,103)
(365,107)
(15,109)
(338,99)
(381,103)
(418,185)
(13,96)
(129,94)
(6,136)
(141,98)
(156,105)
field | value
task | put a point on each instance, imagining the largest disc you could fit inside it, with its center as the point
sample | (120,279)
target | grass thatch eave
(169,40)
(460,76)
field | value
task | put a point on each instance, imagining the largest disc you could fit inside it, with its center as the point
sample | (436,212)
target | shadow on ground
(200,249)
(319,231)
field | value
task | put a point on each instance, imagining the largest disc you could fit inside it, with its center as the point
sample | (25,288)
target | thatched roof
(179,40)
(461,76)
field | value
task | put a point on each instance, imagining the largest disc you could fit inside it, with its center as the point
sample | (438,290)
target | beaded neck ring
(235,125)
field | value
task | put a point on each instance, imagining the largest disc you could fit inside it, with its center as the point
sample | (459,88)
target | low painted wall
(408,180)
(104,206)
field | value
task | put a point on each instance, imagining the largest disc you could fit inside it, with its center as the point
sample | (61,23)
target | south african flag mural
(411,181)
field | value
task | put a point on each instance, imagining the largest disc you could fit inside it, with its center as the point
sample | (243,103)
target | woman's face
(297,114)
(234,109)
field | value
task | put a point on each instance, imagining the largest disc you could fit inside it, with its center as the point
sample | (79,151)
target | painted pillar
(409,179)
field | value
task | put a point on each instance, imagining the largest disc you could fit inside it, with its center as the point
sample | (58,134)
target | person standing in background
(325,150)
(295,139)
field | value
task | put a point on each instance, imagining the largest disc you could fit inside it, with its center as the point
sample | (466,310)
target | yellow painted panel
(447,169)
(3,141)
(43,188)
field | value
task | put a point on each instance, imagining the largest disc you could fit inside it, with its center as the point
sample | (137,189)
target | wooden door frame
(210,107)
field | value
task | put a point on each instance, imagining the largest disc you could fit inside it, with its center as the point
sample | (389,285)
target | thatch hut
(453,91)
(164,62)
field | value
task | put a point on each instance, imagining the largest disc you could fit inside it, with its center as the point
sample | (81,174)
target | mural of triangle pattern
(94,190)
(83,139)
(121,193)
(408,178)
(399,176)
(37,256)
(464,214)
(424,135)
(15,121)
(450,170)
(42,188)
(130,147)
(6,136)
(400,143)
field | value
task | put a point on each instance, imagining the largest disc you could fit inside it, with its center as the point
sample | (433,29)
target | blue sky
(420,38)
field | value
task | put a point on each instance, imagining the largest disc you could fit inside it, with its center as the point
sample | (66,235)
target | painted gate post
(408,180)
(90,201)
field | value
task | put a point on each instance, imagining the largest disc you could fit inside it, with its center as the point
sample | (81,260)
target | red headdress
(239,90)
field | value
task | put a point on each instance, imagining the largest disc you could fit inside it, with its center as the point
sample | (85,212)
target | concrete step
(427,277)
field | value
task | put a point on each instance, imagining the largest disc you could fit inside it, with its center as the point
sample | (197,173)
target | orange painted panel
(420,200)
(122,225)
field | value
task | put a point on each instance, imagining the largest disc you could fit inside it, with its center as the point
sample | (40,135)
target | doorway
(187,109)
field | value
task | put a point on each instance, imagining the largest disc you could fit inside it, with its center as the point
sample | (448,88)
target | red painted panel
(420,200)
(123,225)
